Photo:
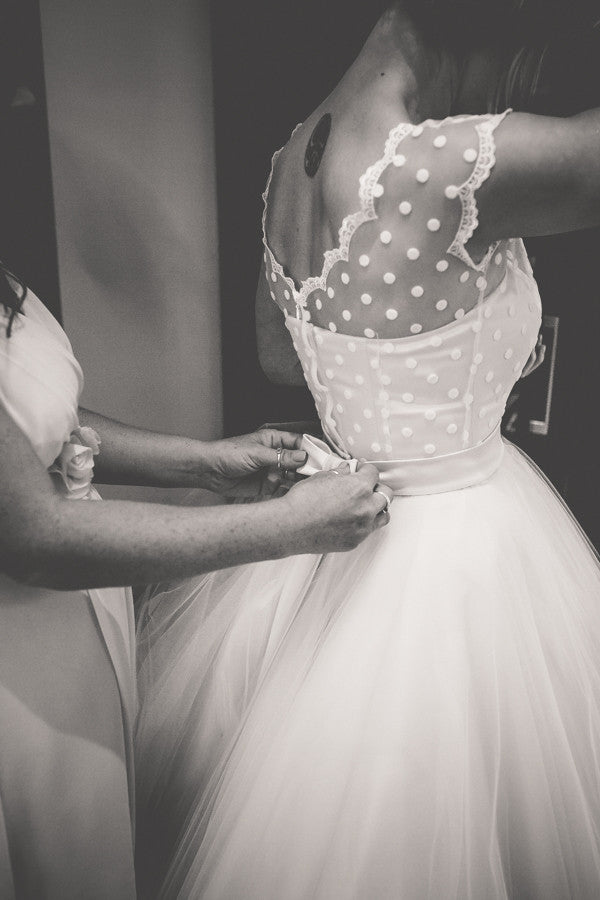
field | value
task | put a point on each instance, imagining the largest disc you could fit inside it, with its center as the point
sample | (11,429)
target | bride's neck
(430,83)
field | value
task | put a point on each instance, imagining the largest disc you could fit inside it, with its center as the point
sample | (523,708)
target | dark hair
(533,37)
(476,22)
(12,295)
(12,24)
(568,76)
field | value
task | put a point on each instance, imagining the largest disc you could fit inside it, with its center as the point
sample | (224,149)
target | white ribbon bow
(321,458)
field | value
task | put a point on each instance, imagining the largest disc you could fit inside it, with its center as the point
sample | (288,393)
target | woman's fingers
(383,497)
(272,437)
(369,473)
(342,469)
(385,493)
(382,519)
(281,450)
(290,460)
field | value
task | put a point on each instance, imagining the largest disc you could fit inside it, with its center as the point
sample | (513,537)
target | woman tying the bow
(67,668)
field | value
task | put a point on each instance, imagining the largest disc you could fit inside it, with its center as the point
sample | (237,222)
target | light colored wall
(130,108)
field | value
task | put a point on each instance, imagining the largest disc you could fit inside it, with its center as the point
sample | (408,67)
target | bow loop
(321,458)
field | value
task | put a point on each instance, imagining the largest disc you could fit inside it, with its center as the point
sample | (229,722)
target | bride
(419,718)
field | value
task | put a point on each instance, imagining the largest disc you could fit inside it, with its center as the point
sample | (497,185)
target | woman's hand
(50,541)
(250,467)
(337,510)
(536,358)
(243,467)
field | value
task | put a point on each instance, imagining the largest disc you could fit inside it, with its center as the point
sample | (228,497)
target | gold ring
(279,466)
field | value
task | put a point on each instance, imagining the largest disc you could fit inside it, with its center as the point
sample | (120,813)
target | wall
(130,108)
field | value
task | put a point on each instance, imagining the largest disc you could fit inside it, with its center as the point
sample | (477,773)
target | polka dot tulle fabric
(409,345)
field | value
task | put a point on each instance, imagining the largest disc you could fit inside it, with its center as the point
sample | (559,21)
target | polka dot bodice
(409,346)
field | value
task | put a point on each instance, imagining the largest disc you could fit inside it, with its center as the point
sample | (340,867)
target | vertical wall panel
(130,108)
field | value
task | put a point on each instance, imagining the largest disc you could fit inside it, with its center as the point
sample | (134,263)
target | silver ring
(279,466)
(386,508)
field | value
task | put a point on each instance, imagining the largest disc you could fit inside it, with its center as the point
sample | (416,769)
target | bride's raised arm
(546,179)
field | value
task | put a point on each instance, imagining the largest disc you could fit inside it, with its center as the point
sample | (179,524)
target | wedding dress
(418,718)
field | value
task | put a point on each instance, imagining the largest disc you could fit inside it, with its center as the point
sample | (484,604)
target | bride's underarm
(278,359)
(280,367)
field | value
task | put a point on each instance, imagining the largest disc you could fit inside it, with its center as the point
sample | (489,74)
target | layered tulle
(419,718)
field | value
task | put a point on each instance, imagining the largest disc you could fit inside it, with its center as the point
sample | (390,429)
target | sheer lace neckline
(367,192)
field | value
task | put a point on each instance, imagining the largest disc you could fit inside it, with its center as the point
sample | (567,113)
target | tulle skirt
(419,718)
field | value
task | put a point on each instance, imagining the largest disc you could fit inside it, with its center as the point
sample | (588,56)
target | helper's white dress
(67,679)
(419,718)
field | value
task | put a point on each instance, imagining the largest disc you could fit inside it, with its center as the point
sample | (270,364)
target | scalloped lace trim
(486,159)
(367,182)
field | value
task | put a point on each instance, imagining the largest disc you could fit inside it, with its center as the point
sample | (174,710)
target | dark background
(27,230)
(273,63)
(567,271)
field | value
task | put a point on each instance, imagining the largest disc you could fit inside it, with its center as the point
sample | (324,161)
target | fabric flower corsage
(74,466)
